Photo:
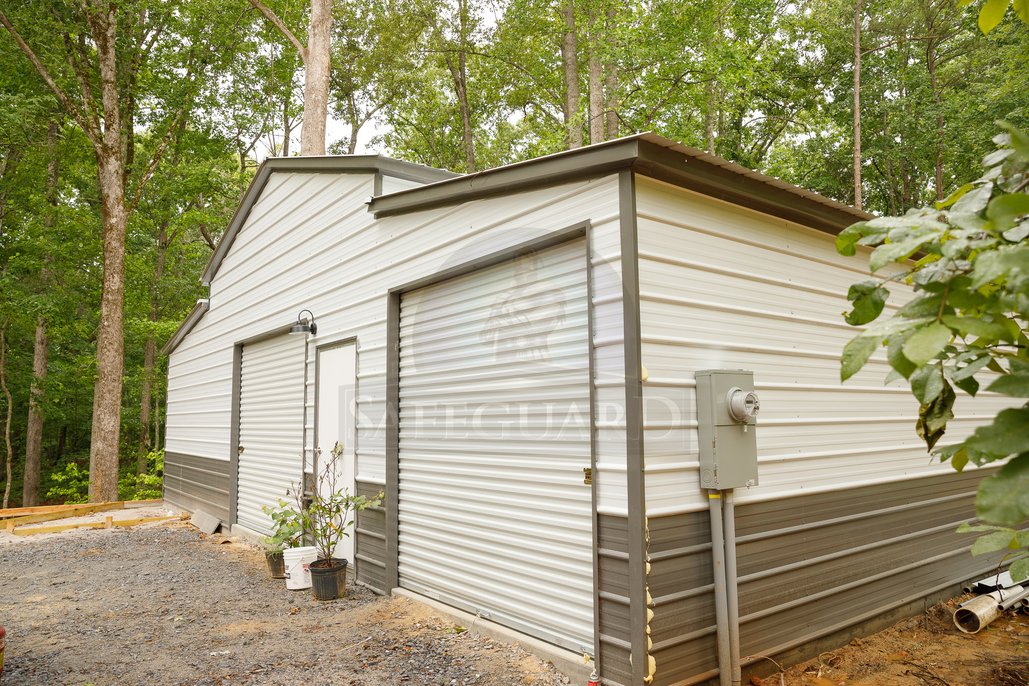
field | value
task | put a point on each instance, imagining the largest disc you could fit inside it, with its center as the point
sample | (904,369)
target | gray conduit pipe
(714,499)
(731,589)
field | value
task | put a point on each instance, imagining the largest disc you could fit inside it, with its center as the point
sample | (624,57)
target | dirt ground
(162,604)
(923,651)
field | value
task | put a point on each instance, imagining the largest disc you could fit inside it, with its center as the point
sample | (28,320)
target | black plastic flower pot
(328,579)
(276,565)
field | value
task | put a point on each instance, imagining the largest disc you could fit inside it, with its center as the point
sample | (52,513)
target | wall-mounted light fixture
(304,326)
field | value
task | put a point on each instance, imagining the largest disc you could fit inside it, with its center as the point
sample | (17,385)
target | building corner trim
(637,523)
(392,500)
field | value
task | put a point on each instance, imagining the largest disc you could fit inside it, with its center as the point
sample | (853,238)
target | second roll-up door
(271,426)
(495,432)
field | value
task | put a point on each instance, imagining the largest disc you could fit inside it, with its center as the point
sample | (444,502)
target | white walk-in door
(271,426)
(336,401)
(495,517)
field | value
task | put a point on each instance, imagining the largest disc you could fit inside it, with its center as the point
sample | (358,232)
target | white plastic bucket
(298,561)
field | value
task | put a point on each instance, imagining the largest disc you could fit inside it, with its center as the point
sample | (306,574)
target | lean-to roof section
(647,154)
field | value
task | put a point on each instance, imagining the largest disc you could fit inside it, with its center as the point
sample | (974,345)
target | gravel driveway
(162,604)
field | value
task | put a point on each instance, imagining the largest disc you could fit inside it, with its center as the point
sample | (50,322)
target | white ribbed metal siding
(494,434)
(725,287)
(271,425)
(310,242)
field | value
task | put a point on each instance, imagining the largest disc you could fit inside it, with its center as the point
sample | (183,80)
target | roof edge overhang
(192,319)
(329,164)
(646,154)
(591,161)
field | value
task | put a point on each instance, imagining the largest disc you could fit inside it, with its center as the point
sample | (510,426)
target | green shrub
(69,485)
(146,486)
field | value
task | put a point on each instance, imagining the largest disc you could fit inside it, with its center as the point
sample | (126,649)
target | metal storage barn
(513,357)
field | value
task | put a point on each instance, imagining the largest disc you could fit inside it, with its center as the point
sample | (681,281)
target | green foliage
(328,516)
(967,322)
(287,526)
(70,484)
(148,485)
(992,12)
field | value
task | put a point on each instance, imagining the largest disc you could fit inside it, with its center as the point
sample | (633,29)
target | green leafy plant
(146,486)
(287,526)
(69,485)
(329,515)
(992,12)
(965,326)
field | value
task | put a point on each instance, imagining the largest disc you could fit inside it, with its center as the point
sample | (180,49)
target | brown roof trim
(192,319)
(329,164)
(647,154)
(593,160)
(713,176)
(582,163)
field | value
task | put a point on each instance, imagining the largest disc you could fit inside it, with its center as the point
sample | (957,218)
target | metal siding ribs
(271,422)
(494,432)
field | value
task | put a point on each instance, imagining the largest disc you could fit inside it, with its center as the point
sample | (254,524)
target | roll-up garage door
(271,425)
(495,431)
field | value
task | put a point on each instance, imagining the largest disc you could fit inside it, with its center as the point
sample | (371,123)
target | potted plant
(287,530)
(329,518)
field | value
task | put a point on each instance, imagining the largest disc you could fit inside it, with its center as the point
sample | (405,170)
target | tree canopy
(198,92)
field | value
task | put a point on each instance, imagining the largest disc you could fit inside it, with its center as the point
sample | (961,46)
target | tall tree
(108,45)
(41,341)
(316,55)
(8,414)
(570,74)
(857,104)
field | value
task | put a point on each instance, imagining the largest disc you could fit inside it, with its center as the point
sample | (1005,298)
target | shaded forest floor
(162,604)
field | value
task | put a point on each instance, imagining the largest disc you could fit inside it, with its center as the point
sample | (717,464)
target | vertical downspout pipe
(731,589)
(714,499)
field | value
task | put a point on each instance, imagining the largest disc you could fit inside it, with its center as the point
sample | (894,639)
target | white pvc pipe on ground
(971,617)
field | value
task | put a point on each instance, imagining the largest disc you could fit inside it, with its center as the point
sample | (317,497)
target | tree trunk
(570,63)
(8,463)
(41,346)
(459,73)
(611,76)
(287,125)
(316,79)
(146,396)
(857,104)
(596,98)
(355,123)
(709,115)
(110,348)
(931,67)
(150,359)
(62,442)
(34,426)
(3,194)
(157,421)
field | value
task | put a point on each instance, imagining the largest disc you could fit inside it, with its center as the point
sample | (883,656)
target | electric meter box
(727,410)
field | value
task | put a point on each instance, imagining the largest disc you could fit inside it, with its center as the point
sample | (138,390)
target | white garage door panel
(271,422)
(494,435)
